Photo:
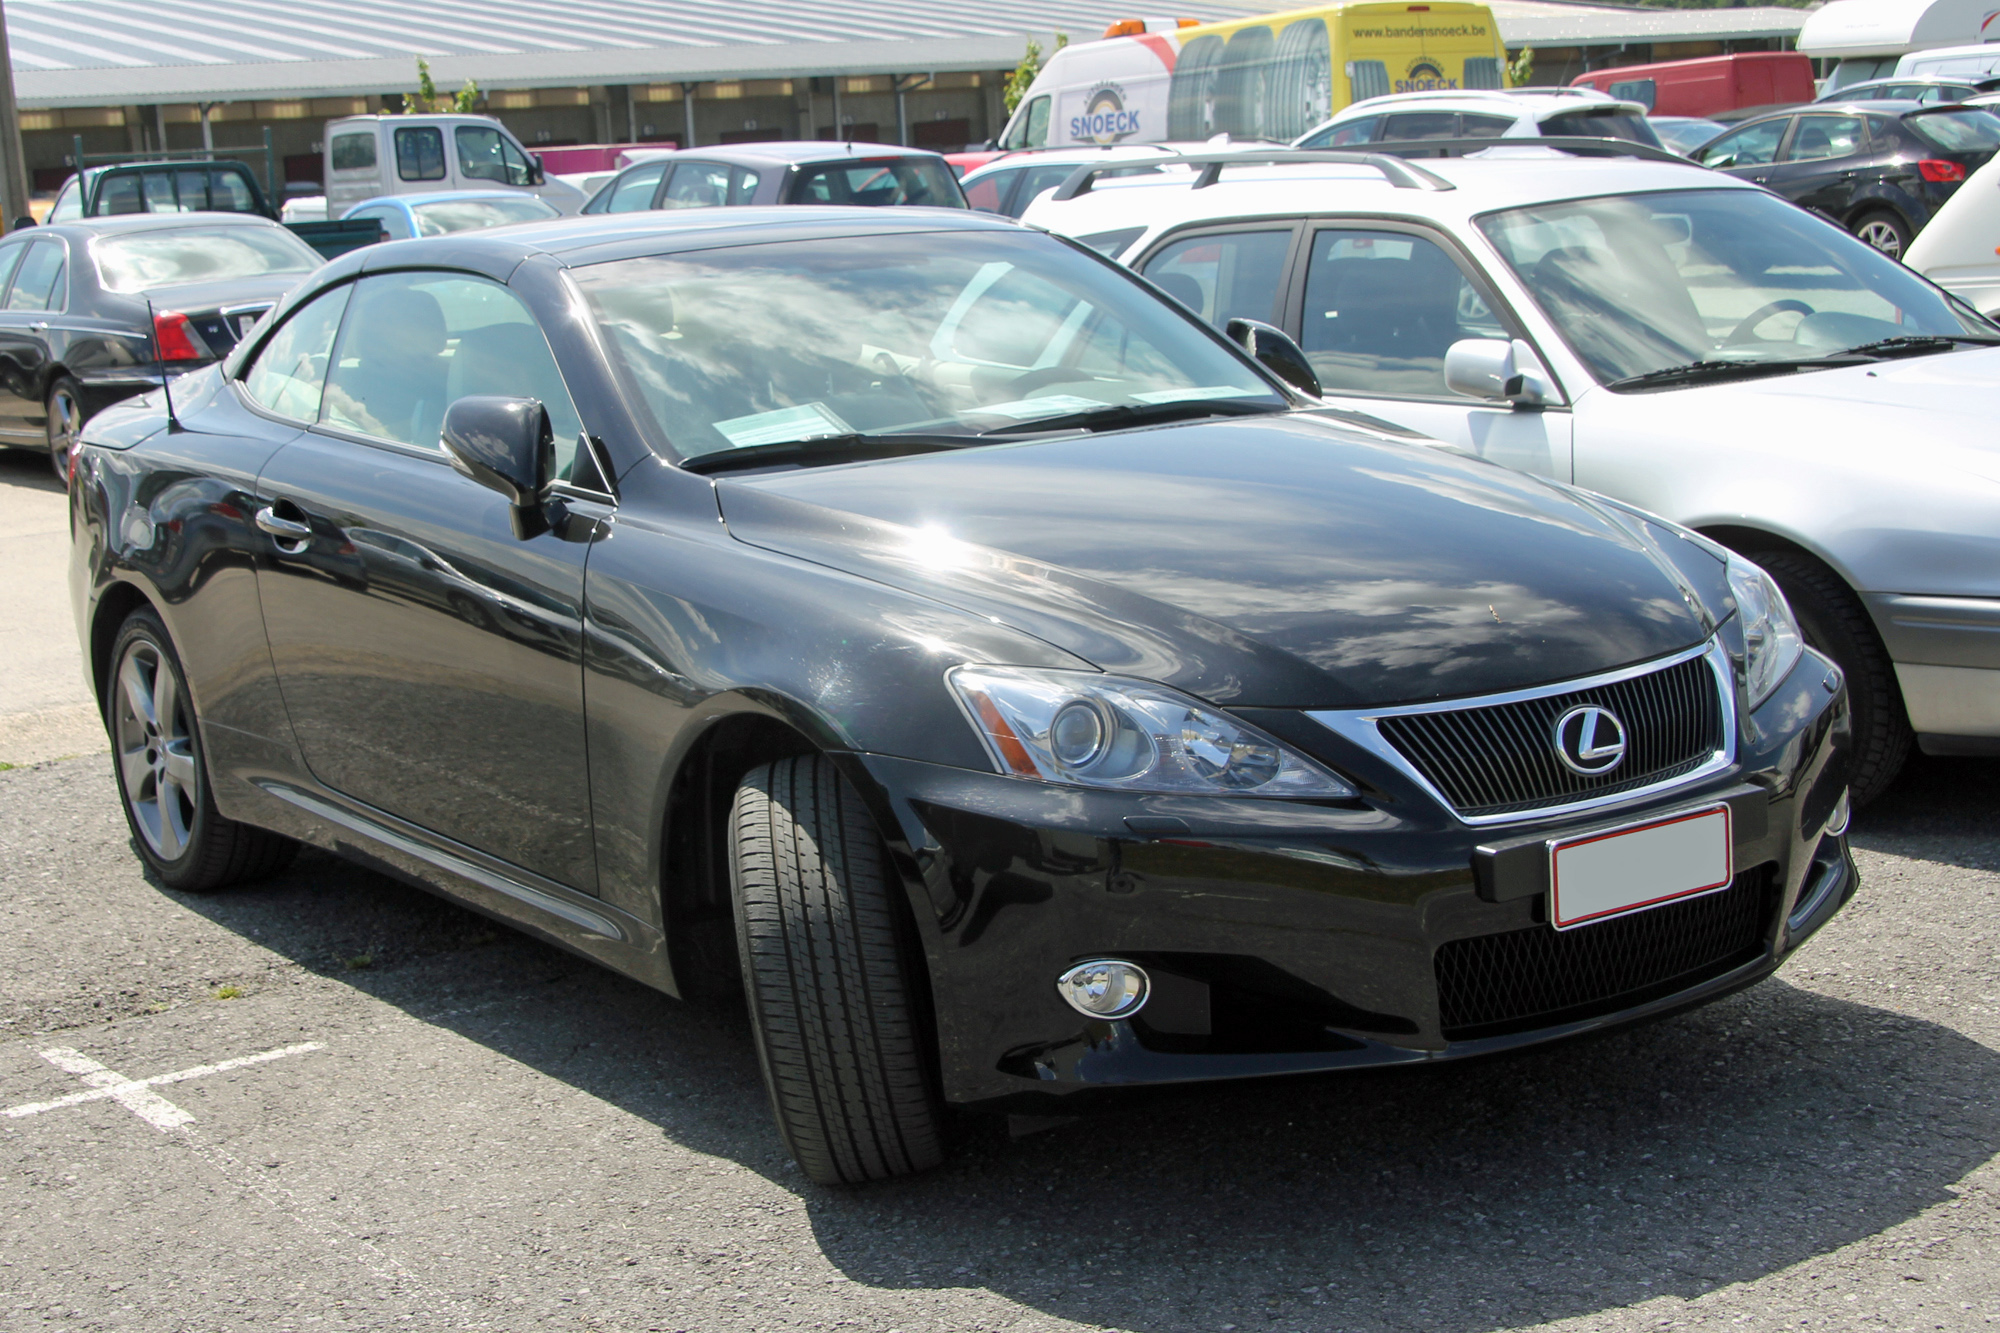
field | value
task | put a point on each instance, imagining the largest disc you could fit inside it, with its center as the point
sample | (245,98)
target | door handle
(40,326)
(1760,179)
(291,535)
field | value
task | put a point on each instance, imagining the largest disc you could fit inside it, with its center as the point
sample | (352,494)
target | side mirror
(537,173)
(1497,370)
(1273,349)
(506,445)
(25,220)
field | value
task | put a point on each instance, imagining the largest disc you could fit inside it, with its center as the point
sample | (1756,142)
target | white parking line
(137,1095)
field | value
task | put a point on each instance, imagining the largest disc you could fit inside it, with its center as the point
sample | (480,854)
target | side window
(485,155)
(40,283)
(1348,132)
(354,152)
(743,186)
(289,372)
(1421,125)
(1752,146)
(1822,137)
(1485,127)
(1224,275)
(989,193)
(1380,309)
(119,195)
(1036,180)
(420,154)
(697,185)
(414,343)
(1037,135)
(68,206)
(192,185)
(634,191)
(229,192)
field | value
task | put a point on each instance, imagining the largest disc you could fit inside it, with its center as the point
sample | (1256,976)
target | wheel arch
(119,600)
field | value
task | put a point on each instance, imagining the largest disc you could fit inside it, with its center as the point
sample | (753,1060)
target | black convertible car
(926,622)
(95,311)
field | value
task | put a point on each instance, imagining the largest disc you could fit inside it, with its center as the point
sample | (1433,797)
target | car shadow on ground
(28,469)
(1712,1148)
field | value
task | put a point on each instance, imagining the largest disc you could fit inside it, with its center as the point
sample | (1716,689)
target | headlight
(1089,730)
(1771,638)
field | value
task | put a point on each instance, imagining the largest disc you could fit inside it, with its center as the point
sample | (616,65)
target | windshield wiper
(1118,415)
(1916,344)
(853,448)
(1725,370)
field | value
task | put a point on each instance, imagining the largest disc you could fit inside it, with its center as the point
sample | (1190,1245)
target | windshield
(1639,283)
(138,261)
(946,333)
(472,214)
(877,182)
(1958,131)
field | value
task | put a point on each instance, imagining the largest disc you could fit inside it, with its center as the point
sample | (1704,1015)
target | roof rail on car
(1579,145)
(1398,172)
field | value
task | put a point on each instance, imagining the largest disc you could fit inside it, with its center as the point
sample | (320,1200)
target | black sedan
(926,622)
(95,311)
(858,175)
(1880,169)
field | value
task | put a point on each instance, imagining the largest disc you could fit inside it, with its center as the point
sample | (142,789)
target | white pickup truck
(370,156)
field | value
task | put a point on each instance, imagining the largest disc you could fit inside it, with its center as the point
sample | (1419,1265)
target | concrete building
(138,75)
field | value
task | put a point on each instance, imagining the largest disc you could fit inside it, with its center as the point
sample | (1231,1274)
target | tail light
(1939,172)
(176,339)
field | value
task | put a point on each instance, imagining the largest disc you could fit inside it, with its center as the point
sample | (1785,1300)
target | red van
(1709,84)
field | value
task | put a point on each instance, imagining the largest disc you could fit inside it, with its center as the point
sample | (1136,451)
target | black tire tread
(838,1032)
(224,852)
(1837,624)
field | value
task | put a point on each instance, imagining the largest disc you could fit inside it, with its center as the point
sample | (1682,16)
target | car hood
(1939,410)
(1276,561)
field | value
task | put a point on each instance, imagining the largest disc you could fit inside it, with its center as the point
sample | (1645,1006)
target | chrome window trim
(1361,726)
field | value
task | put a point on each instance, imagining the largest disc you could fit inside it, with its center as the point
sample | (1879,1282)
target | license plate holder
(1641,866)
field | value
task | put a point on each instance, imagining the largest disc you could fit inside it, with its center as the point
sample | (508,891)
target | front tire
(162,773)
(1835,622)
(65,423)
(832,985)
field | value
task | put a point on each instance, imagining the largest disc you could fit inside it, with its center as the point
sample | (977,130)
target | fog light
(1104,988)
(1843,812)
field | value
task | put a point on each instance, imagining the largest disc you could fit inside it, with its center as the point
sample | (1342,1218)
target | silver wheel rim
(155,750)
(65,423)
(1882,236)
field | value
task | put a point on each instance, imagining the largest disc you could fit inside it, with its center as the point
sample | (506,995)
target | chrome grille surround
(1364,727)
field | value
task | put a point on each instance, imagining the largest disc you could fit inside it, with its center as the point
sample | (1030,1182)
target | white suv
(1523,113)
(1664,334)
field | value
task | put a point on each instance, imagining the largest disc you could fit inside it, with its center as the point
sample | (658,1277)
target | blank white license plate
(1610,874)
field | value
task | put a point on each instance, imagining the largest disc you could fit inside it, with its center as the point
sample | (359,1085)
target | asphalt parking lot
(330,1101)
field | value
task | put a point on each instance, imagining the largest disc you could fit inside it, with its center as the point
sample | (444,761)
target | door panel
(429,660)
(1821,162)
(34,299)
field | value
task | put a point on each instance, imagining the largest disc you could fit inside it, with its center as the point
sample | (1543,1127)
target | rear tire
(1835,622)
(65,423)
(1885,231)
(831,981)
(162,772)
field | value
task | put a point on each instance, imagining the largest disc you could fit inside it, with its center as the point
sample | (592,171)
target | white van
(367,156)
(1971,63)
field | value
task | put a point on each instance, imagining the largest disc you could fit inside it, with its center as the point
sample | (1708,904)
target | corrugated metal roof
(109,52)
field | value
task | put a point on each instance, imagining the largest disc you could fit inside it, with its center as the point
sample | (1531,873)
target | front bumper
(1285,937)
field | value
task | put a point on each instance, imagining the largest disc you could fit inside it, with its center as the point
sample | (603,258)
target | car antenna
(174,426)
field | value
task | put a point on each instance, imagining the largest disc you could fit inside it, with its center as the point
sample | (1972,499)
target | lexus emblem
(1590,740)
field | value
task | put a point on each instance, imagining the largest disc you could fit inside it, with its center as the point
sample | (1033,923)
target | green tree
(1521,68)
(427,98)
(1025,72)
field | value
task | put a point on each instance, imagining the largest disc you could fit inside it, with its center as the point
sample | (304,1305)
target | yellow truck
(1273,76)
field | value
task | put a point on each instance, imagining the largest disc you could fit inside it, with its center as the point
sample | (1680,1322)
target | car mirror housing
(506,445)
(1497,370)
(1274,349)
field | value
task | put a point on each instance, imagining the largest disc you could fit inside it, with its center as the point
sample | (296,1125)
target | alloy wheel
(65,424)
(1882,234)
(156,760)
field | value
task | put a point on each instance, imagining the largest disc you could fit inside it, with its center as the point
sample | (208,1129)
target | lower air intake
(1496,984)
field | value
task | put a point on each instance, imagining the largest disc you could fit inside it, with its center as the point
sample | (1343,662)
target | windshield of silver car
(954,334)
(1640,284)
(140,261)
